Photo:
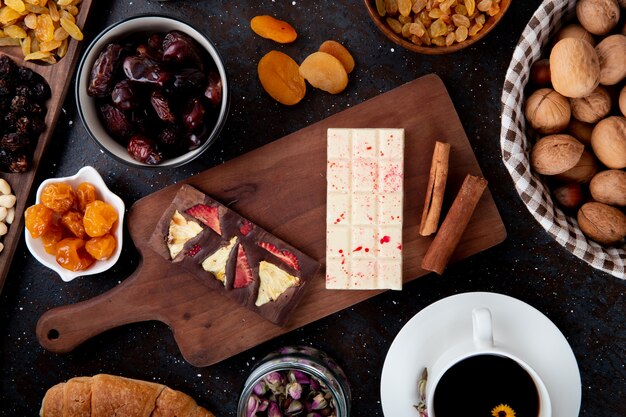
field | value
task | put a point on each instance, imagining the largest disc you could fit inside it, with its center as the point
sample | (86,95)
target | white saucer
(534,338)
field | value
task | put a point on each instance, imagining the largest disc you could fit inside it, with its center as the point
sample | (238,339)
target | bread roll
(108,396)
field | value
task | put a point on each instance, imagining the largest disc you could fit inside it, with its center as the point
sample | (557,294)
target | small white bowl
(35,246)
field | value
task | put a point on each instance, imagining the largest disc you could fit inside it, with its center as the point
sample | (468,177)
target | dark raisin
(8,68)
(41,91)
(143,150)
(37,124)
(37,108)
(115,122)
(13,162)
(20,104)
(13,142)
(10,118)
(23,126)
(101,80)
(5,87)
(124,95)
(161,106)
(22,90)
(27,75)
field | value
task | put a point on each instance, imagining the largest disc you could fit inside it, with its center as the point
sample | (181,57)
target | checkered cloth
(516,146)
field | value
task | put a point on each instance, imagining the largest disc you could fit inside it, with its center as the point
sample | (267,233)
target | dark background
(587,305)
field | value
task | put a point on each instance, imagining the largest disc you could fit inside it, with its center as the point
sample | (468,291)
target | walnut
(612,55)
(574,68)
(592,108)
(555,154)
(598,16)
(602,223)
(575,31)
(622,101)
(584,170)
(609,187)
(547,111)
(608,141)
(580,130)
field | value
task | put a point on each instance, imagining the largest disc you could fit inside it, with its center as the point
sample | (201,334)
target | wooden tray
(59,77)
(282,188)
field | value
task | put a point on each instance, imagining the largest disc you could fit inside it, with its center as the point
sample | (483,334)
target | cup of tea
(480,378)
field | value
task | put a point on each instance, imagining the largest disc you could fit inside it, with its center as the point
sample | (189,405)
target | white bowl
(35,246)
(87,106)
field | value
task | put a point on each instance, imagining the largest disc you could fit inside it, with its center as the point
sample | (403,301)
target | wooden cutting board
(59,77)
(282,188)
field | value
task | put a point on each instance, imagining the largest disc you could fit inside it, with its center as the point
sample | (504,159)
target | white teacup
(483,344)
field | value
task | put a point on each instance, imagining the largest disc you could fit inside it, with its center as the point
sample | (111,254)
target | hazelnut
(575,31)
(569,196)
(555,154)
(602,223)
(540,73)
(574,68)
(612,55)
(622,101)
(592,108)
(598,16)
(608,141)
(547,111)
(580,130)
(583,171)
(609,187)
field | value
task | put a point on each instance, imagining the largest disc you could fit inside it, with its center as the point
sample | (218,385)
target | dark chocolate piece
(252,241)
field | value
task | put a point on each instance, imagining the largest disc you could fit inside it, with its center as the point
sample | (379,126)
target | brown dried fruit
(583,171)
(340,52)
(602,223)
(609,187)
(608,141)
(547,111)
(574,68)
(612,55)
(555,154)
(271,28)
(575,31)
(592,108)
(598,16)
(281,79)
(325,72)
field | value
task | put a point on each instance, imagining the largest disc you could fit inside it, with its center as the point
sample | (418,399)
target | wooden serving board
(59,77)
(282,188)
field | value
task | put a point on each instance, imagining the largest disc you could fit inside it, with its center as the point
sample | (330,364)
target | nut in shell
(574,68)
(580,130)
(622,101)
(602,223)
(612,55)
(575,31)
(592,108)
(598,16)
(609,187)
(547,111)
(569,196)
(583,171)
(608,141)
(555,154)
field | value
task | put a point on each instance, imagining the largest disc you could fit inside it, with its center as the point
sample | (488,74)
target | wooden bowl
(434,50)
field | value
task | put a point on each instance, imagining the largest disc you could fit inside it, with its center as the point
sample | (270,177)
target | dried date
(180,48)
(189,79)
(124,95)
(193,115)
(115,122)
(161,106)
(145,70)
(143,150)
(101,81)
(213,90)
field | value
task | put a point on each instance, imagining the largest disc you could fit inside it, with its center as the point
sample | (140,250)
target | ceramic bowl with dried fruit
(436,27)
(152,92)
(563,136)
(37,246)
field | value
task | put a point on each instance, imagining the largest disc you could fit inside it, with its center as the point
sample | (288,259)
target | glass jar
(305,359)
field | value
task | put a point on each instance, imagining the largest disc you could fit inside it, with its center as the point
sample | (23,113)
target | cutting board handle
(62,329)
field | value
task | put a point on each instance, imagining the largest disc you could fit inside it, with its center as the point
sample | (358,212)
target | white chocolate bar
(364,174)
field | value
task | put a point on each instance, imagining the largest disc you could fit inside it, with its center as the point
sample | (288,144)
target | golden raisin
(51,237)
(45,28)
(271,28)
(102,247)
(85,193)
(99,218)
(38,219)
(71,254)
(58,197)
(73,222)
(280,77)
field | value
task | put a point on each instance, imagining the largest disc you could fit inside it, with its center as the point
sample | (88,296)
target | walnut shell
(608,141)
(609,187)
(547,111)
(555,154)
(574,68)
(575,31)
(602,223)
(622,101)
(598,16)
(581,131)
(583,171)
(612,55)
(592,108)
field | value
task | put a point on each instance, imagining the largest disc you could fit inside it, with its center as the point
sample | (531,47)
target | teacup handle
(482,327)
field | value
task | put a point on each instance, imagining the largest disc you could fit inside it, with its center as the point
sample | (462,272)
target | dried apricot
(58,197)
(325,72)
(340,52)
(51,237)
(73,222)
(99,218)
(85,194)
(280,77)
(38,219)
(101,248)
(71,254)
(271,28)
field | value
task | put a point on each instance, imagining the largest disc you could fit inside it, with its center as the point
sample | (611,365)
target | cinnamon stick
(454,224)
(436,189)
